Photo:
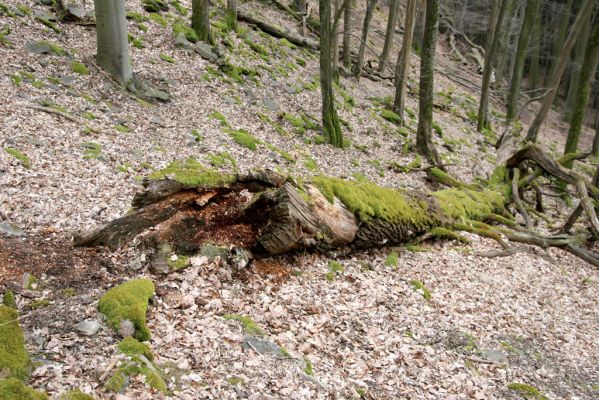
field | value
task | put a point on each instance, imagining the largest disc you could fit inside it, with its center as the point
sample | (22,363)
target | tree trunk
(112,41)
(534,128)
(424,143)
(576,66)
(347,26)
(595,148)
(365,27)
(518,70)
(587,72)
(299,5)
(505,43)
(335,37)
(200,20)
(561,38)
(231,14)
(491,51)
(402,67)
(419,27)
(330,120)
(391,24)
(536,44)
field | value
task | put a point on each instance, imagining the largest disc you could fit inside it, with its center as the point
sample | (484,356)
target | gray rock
(74,13)
(181,40)
(495,356)
(18,12)
(67,80)
(270,104)
(88,327)
(34,141)
(46,16)
(157,94)
(39,48)
(126,328)
(289,89)
(11,230)
(262,346)
(205,51)
(251,97)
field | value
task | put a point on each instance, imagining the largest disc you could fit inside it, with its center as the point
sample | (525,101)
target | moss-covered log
(269,214)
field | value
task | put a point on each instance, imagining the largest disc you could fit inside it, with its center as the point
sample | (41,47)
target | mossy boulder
(14,360)
(128,301)
(75,395)
(14,389)
(191,173)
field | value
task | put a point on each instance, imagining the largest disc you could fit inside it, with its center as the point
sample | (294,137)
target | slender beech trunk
(505,43)
(576,66)
(347,15)
(424,142)
(534,128)
(518,70)
(587,72)
(335,37)
(391,24)
(595,149)
(330,120)
(491,51)
(200,19)
(419,28)
(365,27)
(402,67)
(561,37)
(231,14)
(112,44)
(536,44)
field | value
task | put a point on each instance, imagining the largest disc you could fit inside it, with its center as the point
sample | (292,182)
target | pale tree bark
(553,84)
(419,27)
(576,66)
(112,43)
(335,37)
(391,23)
(536,44)
(589,66)
(518,69)
(200,20)
(424,143)
(330,120)
(491,52)
(504,51)
(347,26)
(365,28)
(402,67)
(561,37)
(595,148)
(231,14)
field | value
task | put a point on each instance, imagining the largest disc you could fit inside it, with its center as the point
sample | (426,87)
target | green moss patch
(391,117)
(446,234)
(466,203)
(168,59)
(193,174)
(335,268)
(75,395)
(243,138)
(219,117)
(14,389)
(128,301)
(13,356)
(132,347)
(23,159)
(527,391)
(181,27)
(79,68)
(423,290)
(392,260)
(9,299)
(249,326)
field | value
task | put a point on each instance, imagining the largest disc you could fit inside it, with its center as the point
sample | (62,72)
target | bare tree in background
(402,67)
(365,27)
(347,26)
(391,24)
(200,20)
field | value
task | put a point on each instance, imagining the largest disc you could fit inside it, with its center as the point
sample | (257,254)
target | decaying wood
(276,31)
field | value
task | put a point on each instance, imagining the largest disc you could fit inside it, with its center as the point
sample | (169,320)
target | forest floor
(441,322)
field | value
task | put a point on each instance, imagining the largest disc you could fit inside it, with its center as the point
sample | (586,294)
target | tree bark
(534,128)
(299,5)
(574,70)
(335,37)
(518,70)
(536,45)
(347,26)
(231,14)
(505,43)
(561,38)
(424,143)
(330,120)
(402,67)
(112,40)
(365,27)
(595,149)
(491,51)
(391,23)
(276,31)
(587,72)
(200,20)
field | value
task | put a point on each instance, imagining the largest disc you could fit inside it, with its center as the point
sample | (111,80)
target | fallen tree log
(269,214)
(186,207)
(277,31)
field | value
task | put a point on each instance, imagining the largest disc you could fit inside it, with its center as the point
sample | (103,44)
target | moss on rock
(75,395)
(14,389)
(128,301)
(249,326)
(13,356)
(132,347)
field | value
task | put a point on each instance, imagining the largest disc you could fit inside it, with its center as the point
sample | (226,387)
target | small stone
(181,40)
(74,12)
(39,48)
(135,265)
(67,80)
(88,327)
(270,105)
(262,346)
(11,230)
(205,51)
(495,356)
(46,16)
(126,328)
